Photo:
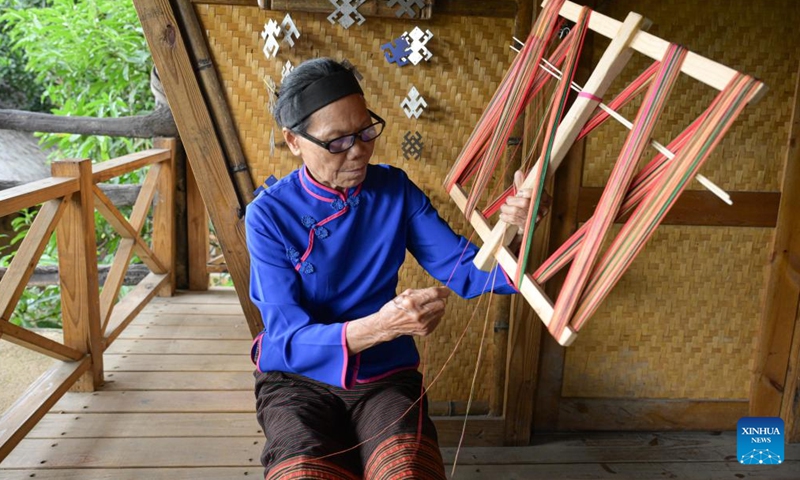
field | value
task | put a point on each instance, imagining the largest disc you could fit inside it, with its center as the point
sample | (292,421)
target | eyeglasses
(346,142)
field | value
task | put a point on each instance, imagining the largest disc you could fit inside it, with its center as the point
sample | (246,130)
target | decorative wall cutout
(405,7)
(290,32)
(270,35)
(417,40)
(287,67)
(413,104)
(397,52)
(412,145)
(347,12)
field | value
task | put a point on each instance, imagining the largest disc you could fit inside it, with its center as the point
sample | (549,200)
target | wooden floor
(178,403)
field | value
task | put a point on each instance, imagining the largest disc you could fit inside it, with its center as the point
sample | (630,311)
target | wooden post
(197,227)
(77,264)
(202,144)
(521,344)
(181,219)
(164,215)
(775,387)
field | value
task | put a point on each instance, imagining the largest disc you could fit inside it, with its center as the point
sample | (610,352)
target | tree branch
(159,123)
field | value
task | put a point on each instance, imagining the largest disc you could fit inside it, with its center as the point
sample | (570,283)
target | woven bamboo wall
(682,322)
(470,57)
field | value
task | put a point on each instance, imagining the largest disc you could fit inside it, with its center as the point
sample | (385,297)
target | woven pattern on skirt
(309,427)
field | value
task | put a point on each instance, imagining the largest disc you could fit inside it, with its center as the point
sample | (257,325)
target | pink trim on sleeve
(352,380)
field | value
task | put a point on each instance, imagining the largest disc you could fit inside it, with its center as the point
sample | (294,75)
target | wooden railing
(91,319)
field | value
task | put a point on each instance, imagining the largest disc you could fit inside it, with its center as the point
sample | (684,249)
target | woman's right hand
(414,312)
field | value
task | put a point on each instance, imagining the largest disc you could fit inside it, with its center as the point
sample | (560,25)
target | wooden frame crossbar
(626,37)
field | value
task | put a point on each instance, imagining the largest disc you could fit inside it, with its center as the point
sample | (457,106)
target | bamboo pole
(215,96)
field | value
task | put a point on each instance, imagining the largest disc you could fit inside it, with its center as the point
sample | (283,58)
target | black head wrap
(320,93)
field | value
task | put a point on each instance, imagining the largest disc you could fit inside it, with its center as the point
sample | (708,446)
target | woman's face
(342,170)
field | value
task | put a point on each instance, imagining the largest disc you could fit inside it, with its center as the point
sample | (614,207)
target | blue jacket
(320,257)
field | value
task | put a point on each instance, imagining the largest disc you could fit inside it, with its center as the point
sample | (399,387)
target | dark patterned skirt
(312,428)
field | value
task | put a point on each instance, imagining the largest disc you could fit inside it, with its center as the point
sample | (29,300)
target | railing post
(77,265)
(164,215)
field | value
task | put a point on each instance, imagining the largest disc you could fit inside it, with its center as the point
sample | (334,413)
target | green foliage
(17,87)
(91,59)
(81,58)
(38,307)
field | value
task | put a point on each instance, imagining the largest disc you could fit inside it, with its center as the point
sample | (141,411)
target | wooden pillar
(181,219)
(198,234)
(164,215)
(77,265)
(522,344)
(775,387)
(201,142)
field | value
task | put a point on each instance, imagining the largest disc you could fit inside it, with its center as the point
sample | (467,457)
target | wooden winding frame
(626,37)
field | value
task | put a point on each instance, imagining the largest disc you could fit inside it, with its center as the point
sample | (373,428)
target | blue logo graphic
(759,440)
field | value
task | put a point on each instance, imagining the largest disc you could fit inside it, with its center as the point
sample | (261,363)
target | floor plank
(133,381)
(239,332)
(178,363)
(157,402)
(111,425)
(180,347)
(136,452)
(177,319)
(191,308)
(233,473)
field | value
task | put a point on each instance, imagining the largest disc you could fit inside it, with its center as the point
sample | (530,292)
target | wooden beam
(374,8)
(481,431)
(164,216)
(181,220)
(131,304)
(27,256)
(775,389)
(521,352)
(197,231)
(105,171)
(700,68)
(77,262)
(30,194)
(202,144)
(563,215)
(703,208)
(370,8)
(37,401)
(38,343)
(120,195)
(631,414)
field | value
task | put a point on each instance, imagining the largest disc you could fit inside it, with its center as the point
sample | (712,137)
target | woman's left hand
(515,209)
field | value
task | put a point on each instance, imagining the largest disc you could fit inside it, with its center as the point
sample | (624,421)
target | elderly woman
(337,375)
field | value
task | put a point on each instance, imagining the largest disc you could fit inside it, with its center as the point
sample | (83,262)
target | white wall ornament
(287,67)
(290,32)
(417,40)
(347,12)
(413,104)
(270,35)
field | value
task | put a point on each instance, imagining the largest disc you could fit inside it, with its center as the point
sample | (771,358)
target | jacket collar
(322,192)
